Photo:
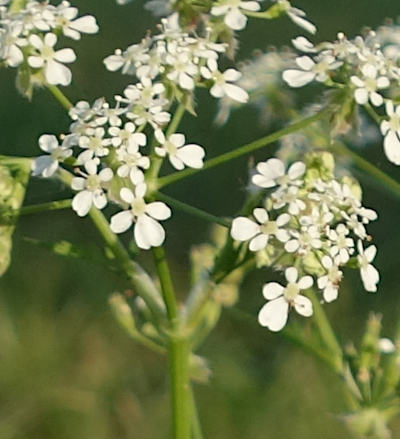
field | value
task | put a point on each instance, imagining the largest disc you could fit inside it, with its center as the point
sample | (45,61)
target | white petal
(121,221)
(148,232)
(272,290)
(330,293)
(305,24)
(244,229)
(370,277)
(99,199)
(370,253)
(57,73)
(235,19)
(86,24)
(361,96)
(305,282)
(258,243)
(82,202)
(291,274)
(35,61)
(113,62)
(297,78)
(296,170)
(391,146)
(250,6)
(126,195)
(261,215)
(192,156)
(292,245)
(40,164)
(376,99)
(48,142)
(303,306)
(236,93)
(231,75)
(305,63)
(65,56)
(274,314)
(158,210)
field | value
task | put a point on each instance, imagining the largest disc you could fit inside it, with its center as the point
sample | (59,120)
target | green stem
(327,334)
(179,352)
(193,210)
(60,96)
(167,287)
(43,207)
(243,150)
(378,119)
(176,120)
(365,165)
(196,427)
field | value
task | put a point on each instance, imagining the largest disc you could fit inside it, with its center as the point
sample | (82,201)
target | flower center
(291,291)
(138,206)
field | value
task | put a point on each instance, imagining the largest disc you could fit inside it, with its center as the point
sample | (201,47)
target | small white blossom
(369,274)
(391,130)
(274,314)
(367,87)
(179,154)
(386,346)
(223,82)
(91,188)
(131,163)
(232,12)
(329,282)
(94,144)
(47,165)
(272,173)
(259,233)
(71,26)
(304,241)
(50,60)
(342,245)
(147,230)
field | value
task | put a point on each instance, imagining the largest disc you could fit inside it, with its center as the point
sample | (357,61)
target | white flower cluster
(28,37)
(312,224)
(362,65)
(110,155)
(181,62)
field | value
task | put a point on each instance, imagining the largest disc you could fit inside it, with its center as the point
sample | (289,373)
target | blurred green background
(68,372)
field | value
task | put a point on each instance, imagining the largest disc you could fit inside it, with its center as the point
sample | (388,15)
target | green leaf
(14,176)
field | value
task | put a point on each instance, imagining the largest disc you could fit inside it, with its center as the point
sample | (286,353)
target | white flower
(91,188)
(297,16)
(329,283)
(131,161)
(127,136)
(386,346)
(179,154)
(367,87)
(47,165)
(288,196)
(71,26)
(391,130)
(272,173)
(259,233)
(369,274)
(310,70)
(231,9)
(183,69)
(50,60)
(11,42)
(94,144)
(130,59)
(147,231)
(304,45)
(223,82)
(307,239)
(274,314)
(342,245)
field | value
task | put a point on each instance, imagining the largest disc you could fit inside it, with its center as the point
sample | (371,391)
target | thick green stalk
(187,208)
(179,352)
(243,150)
